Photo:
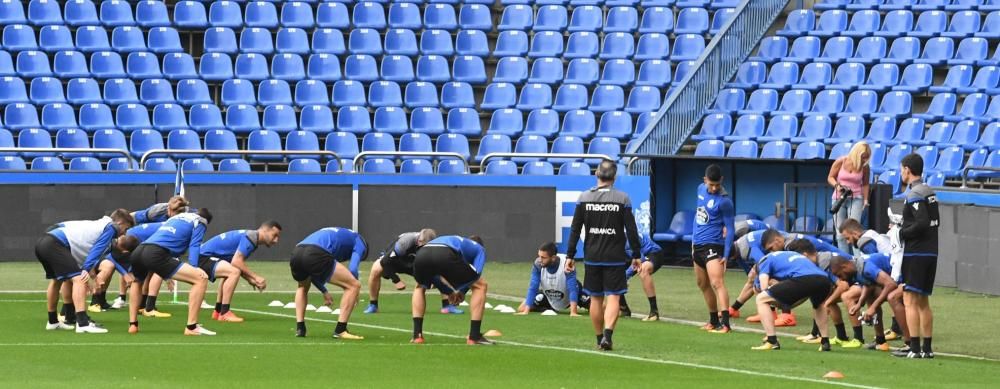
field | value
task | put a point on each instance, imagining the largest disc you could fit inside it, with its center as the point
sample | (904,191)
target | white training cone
(290,305)
(499,307)
(508,310)
(336,311)
(310,307)
(463,304)
(324,309)
(276,303)
(489,306)
(549,312)
(205,305)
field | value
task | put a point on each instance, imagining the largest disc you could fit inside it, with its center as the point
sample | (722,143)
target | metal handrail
(68,150)
(965,173)
(362,155)
(720,60)
(145,156)
(482,164)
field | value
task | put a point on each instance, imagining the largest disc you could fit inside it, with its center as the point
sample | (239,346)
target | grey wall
(510,220)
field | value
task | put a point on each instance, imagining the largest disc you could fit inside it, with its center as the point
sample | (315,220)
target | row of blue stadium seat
(919,5)
(194,14)
(20,37)
(896,23)
(589,72)
(966,134)
(949,161)
(345,145)
(916,78)
(799,102)
(870,50)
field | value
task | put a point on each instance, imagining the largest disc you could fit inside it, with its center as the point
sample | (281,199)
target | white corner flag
(179,181)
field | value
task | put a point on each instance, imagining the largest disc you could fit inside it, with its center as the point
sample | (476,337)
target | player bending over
(871,242)
(459,263)
(653,258)
(552,286)
(154,215)
(749,250)
(314,260)
(69,252)
(225,256)
(798,278)
(843,291)
(872,272)
(158,255)
(714,233)
(396,259)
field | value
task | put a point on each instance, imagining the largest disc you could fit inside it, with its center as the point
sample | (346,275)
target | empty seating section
(903,76)
(263,69)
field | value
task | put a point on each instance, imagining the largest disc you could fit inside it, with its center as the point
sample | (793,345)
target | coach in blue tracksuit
(713,237)
(457,262)
(314,260)
(159,254)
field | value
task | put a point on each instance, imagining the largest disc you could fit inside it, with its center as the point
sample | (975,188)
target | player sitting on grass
(798,278)
(458,262)
(872,272)
(552,286)
(749,250)
(653,258)
(396,259)
(158,255)
(314,260)
(225,255)
(68,253)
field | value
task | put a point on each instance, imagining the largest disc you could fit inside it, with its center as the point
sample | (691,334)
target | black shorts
(208,264)
(152,258)
(442,261)
(56,259)
(702,253)
(918,273)
(312,263)
(397,265)
(658,258)
(602,281)
(792,291)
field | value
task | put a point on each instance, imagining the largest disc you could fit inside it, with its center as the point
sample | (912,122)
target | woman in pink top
(854,173)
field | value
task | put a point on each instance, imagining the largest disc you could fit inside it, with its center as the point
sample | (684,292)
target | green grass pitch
(534,350)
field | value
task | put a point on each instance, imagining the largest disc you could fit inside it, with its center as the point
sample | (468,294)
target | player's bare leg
(301,299)
(648,286)
(711,299)
(477,305)
(135,295)
(375,280)
(899,312)
(343,278)
(597,315)
(418,305)
(199,283)
(231,278)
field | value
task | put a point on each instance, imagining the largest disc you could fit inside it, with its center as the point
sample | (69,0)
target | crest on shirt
(916,206)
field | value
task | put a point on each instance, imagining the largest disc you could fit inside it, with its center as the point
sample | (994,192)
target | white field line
(590,352)
(250,344)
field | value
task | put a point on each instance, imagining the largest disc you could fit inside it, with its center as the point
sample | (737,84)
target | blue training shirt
(142,232)
(820,244)
(714,212)
(156,213)
(873,265)
(181,233)
(342,243)
(783,265)
(225,245)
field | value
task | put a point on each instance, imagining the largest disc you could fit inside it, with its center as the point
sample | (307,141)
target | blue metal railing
(721,59)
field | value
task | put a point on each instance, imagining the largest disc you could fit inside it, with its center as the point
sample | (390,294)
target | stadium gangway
(482,164)
(146,155)
(68,150)
(362,155)
(965,172)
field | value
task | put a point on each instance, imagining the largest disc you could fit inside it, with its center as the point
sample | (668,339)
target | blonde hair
(855,155)
(177,205)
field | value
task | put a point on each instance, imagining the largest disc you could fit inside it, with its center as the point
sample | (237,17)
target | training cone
(336,311)
(310,307)
(834,375)
(499,307)
(463,304)
(276,303)
(549,312)
(489,306)
(290,305)
(507,309)
(493,333)
(324,309)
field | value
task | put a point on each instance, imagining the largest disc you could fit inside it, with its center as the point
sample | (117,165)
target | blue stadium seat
(863,23)
(692,21)
(436,42)
(545,70)
(57,116)
(324,67)
(55,38)
(928,153)
(70,64)
(45,90)
(714,126)
(475,17)
(680,229)
(348,93)
(404,15)
(354,119)
(910,131)
(776,150)
(241,118)
(149,13)
(433,68)
(687,47)
(109,139)
(530,144)
(280,118)
(938,132)
(551,18)
(369,15)
(365,41)
(654,73)
(91,39)
(264,140)
(815,76)
(197,165)
(965,135)
(6,140)
(810,150)
(546,44)
(837,50)
(804,49)
(416,166)
(761,101)
(535,96)
(130,117)
(895,104)
(782,76)
(615,124)
(743,149)
(328,41)
(470,69)
(179,66)
(860,102)
(916,78)
(937,51)
(360,67)
(516,17)
(582,44)
(511,70)
(390,120)
(141,141)
(400,42)
(20,116)
(728,101)
(190,14)
(457,95)
(451,167)
(570,97)
(986,80)
(182,139)
(508,122)
(585,71)
(221,40)
(970,51)
(291,40)
(142,66)
(420,94)
(512,44)
(578,123)
(973,107)
(643,99)
(881,130)
(869,50)
(904,50)
(720,18)
(168,117)
(12,90)
(85,164)
(567,144)
(959,76)
(493,143)
(216,67)
(256,41)
(771,49)
(260,14)
(47,164)
(303,140)
(881,78)
(378,142)
(297,14)
(830,23)
(385,94)
(752,73)
(780,127)
(95,117)
(165,40)
(415,142)
(607,98)
(542,122)
(127,39)
(427,121)
(316,118)
(587,18)
(44,13)
(538,168)
(653,46)
(312,92)
(34,138)
(621,45)
(574,169)
(454,143)
(287,67)
(32,64)
(472,42)
(238,92)
(501,168)
(847,129)
(929,24)
(72,138)
(345,145)
(332,15)
(159,165)
(748,126)
(76,13)
(710,148)
(441,17)
(464,121)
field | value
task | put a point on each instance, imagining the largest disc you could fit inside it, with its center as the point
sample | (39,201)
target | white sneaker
(91,329)
(58,326)
(199,330)
(205,305)
(118,303)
